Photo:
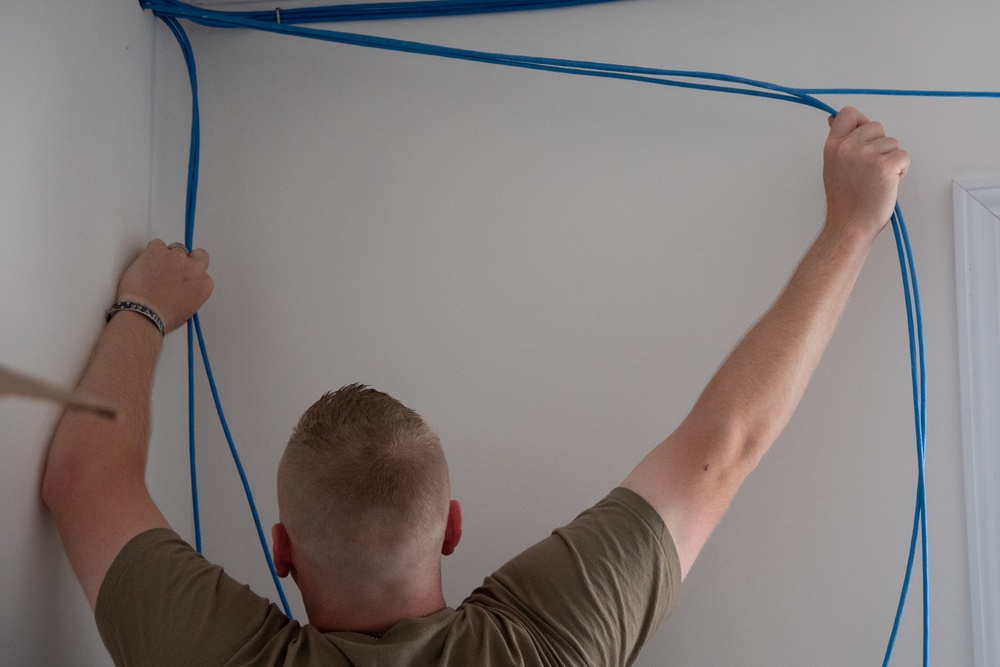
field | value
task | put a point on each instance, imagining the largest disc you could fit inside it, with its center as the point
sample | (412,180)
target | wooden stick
(13,383)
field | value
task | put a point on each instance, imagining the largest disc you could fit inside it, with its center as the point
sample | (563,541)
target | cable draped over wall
(290,22)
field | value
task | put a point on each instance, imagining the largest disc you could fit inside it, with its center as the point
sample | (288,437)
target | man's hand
(861,172)
(168,280)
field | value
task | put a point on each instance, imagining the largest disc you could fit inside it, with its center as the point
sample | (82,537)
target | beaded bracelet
(137,308)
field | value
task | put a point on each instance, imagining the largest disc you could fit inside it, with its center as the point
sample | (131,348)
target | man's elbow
(53,488)
(735,444)
(752,450)
(61,481)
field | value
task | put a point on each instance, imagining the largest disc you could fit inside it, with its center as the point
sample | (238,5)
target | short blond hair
(363,482)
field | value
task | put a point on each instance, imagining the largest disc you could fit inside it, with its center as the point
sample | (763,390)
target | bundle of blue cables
(290,22)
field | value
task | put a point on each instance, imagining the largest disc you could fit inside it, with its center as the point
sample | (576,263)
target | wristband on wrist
(137,308)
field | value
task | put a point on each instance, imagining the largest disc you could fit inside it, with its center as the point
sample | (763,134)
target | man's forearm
(756,390)
(120,371)
(95,463)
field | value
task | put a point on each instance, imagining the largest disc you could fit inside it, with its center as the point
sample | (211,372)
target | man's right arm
(693,475)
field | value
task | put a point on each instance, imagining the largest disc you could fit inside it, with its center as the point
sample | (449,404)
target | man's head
(363,489)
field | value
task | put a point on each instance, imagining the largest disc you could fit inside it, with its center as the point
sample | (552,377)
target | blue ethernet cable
(286,23)
(195,324)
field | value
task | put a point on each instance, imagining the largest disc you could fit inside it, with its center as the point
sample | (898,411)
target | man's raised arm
(95,476)
(691,477)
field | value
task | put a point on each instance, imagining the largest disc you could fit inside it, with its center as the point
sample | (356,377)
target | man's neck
(371,610)
(372,619)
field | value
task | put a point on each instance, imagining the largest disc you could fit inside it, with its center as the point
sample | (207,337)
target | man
(363,489)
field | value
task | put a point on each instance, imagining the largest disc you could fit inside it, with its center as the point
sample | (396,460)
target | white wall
(74,204)
(549,269)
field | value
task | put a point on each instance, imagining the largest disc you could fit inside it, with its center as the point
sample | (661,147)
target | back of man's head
(363,486)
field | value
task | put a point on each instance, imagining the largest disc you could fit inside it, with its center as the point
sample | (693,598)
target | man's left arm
(692,476)
(95,476)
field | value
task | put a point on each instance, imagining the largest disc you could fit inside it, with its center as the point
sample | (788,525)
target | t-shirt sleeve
(161,603)
(593,592)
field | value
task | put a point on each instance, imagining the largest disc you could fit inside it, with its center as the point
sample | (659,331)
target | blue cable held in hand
(195,325)
(288,22)
(918,378)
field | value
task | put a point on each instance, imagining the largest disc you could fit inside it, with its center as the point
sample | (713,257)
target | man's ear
(453,530)
(282,546)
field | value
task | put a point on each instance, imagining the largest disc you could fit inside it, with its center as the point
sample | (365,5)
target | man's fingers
(885,145)
(869,132)
(200,255)
(900,160)
(846,121)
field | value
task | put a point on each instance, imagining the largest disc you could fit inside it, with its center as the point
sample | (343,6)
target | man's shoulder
(589,593)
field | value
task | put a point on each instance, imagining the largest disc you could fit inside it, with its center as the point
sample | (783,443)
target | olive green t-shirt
(590,594)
